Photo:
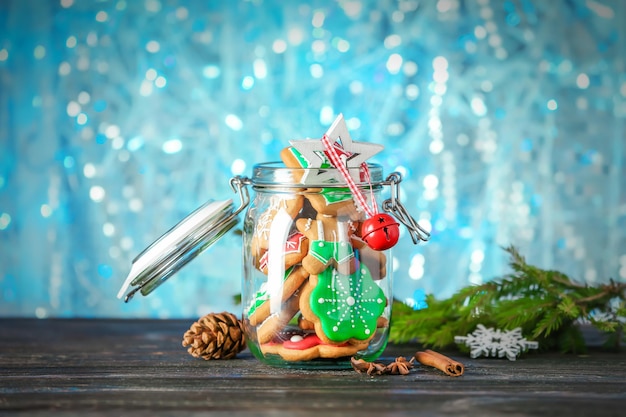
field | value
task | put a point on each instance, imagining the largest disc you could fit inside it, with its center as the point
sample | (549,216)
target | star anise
(400,367)
(370,368)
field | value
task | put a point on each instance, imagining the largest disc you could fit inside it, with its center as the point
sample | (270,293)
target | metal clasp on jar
(394,205)
(239,185)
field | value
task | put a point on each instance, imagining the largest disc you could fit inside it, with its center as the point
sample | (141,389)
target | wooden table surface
(138,367)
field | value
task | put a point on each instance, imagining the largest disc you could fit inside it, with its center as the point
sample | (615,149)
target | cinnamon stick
(441,362)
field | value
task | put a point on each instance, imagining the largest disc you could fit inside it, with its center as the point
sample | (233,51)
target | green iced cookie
(348,306)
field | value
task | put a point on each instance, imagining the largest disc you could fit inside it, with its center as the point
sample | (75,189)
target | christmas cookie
(292,158)
(287,207)
(382,323)
(304,346)
(329,244)
(275,322)
(259,310)
(333,201)
(295,248)
(343,307)
(375,261)
(305,324)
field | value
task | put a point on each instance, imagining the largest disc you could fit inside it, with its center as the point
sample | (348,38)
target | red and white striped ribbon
(341,165)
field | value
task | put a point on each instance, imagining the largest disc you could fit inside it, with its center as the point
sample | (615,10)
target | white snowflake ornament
(496,343)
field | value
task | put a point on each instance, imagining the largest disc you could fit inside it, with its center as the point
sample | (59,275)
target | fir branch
(546,304)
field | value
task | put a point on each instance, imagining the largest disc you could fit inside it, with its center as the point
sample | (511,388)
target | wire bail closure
(239,185)
(395,206)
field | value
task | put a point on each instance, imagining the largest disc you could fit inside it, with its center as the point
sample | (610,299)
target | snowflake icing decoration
(348,306)
(496,343)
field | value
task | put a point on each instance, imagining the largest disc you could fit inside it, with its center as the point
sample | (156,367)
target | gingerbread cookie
(260,309)
(343,307)
(286,207)
(275,322)
(292,158)
(382,323)
(305,324)
(329,244)
(334,201)
(375,261)
(295,248)
(304,346)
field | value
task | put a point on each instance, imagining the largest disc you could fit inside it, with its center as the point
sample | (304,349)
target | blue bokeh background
(119,117)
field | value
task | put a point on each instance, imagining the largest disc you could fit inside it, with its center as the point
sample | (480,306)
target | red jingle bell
(380,232)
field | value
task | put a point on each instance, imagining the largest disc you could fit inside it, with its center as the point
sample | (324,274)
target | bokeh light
(118,118)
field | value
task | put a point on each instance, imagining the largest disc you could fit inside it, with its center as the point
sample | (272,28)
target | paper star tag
(353,153)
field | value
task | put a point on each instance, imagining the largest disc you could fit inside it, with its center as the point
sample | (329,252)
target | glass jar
(317,286)
(314,293)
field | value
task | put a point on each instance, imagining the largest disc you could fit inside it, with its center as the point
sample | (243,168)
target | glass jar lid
(178,246)
(183,242)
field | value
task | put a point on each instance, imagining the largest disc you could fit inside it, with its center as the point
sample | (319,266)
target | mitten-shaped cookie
(329,244)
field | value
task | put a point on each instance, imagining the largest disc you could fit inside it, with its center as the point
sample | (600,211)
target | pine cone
(215,336)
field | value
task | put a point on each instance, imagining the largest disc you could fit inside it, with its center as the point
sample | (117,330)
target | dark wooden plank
(138,367)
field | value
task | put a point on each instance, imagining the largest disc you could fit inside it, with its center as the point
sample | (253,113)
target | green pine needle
(546,304)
